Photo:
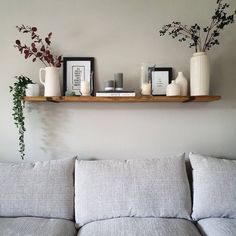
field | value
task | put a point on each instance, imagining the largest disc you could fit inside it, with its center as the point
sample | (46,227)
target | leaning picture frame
(75,70)
(161,77)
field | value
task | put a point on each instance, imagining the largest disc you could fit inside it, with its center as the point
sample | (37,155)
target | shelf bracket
(50,99)
(190,99)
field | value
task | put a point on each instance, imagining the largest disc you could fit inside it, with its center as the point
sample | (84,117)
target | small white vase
(51,81)
(199,74)
(183,84)
(32,90)
(173,89)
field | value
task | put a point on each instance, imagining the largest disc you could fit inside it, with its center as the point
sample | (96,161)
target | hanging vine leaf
(18,91)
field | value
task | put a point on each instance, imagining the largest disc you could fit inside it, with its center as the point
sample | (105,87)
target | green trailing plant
(202,39)
(18,92)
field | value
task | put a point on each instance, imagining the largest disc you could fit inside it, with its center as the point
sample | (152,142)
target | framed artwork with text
(161,77)
(75,70)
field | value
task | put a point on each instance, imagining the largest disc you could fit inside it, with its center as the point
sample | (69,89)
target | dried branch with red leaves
(39,48)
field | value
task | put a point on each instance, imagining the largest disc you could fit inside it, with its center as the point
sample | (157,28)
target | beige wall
(119,34)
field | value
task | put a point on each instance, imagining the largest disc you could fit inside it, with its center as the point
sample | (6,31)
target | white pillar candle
(146,89)
(85,88)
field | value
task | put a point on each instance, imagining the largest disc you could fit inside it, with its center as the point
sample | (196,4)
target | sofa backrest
(139,188)
(41,189)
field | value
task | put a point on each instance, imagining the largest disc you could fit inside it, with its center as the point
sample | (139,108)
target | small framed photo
(75,70)
(161,77)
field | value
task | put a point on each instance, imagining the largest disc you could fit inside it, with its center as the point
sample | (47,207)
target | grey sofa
(118,198)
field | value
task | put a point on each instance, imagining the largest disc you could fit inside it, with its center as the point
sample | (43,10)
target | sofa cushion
(217,227)
(214,187)
(139,227)
(141,188)
(26,226)
(42,189)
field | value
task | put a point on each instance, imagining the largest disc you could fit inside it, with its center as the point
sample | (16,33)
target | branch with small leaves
(39,48)
(18,92)
(220,19)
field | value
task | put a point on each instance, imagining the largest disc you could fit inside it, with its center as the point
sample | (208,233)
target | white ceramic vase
(199,74)
(183,84)
(50,81)
(173,89)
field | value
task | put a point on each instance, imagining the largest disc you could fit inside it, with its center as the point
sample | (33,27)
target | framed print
(75,70)
(161,77)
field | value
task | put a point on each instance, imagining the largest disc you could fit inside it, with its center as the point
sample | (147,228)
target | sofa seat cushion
(41,189)
(109,189)
(129,226)
(27,226)
(217,227)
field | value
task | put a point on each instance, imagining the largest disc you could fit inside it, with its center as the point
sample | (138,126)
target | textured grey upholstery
(139,188)
(42,189)
(214,187)
(139,227)
(217,227)
(30,226)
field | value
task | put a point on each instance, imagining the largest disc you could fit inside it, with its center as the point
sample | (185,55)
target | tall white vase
(199,74)
(51,81)
(183,84)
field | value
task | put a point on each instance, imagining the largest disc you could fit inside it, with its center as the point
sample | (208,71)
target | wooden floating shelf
(136,99)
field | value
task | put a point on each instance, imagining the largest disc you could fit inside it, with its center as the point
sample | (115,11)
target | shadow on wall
(223,76)
(52,122)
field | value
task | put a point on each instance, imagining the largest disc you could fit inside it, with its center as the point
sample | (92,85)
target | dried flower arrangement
(193,33)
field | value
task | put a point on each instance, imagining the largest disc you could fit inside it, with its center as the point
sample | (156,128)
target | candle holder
(110,85)
(145,79)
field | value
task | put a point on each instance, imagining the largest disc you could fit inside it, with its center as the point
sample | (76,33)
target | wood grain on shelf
(136,99)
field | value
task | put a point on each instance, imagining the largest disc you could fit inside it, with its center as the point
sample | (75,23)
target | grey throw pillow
(42,189)
(133,188)
(214,187)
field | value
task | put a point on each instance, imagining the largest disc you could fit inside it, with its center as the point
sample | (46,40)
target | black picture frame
(76,69)
(161,77)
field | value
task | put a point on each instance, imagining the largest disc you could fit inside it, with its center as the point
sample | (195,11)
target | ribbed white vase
(199,74)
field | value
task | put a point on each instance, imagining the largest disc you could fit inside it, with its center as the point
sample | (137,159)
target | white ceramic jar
(173,89)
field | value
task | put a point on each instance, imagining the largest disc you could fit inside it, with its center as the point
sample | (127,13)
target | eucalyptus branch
(30,53)
(200,42)
(39,48)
